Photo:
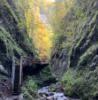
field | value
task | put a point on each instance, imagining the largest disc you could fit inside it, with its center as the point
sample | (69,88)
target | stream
(45,94)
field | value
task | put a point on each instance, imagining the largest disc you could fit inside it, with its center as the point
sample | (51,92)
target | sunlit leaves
(37,30)
(42,40)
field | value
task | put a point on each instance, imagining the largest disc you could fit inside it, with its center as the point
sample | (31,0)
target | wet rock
(48,95)
(44,90)
(50,98)
(60,96)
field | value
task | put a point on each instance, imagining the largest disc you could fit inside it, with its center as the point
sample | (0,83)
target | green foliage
(30,84)
(83,84)
(9,9)
(14,44)
(88,55)
(10,44)
(68,81)
(29,89)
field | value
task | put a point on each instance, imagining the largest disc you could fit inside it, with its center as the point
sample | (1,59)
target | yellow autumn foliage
(37,30)
(41,33)
(42,40)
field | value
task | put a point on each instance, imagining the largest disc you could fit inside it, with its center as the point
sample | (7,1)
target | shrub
(82,84)
(29,89)
(68,80)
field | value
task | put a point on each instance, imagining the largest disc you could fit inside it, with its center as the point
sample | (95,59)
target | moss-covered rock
(14,40)
(82,49)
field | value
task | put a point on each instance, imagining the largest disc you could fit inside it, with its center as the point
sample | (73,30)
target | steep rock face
(13,37)
(85,48)
(59,62)
(82,49)
(81,78)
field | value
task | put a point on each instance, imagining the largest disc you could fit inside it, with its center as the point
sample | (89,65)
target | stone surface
(59,62)
(45,94)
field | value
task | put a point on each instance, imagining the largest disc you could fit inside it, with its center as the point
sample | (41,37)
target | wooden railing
(17,71)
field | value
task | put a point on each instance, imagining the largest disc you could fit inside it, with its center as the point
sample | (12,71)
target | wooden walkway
(17,73)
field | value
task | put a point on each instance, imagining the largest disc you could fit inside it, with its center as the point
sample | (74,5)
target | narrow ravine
(48,49)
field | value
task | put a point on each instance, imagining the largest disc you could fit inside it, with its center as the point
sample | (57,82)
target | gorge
(63,33)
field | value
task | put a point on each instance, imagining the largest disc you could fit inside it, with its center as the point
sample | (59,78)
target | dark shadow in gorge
(33,69)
